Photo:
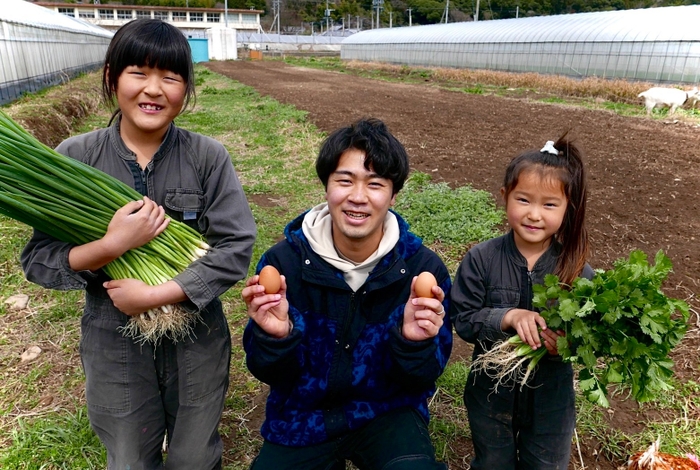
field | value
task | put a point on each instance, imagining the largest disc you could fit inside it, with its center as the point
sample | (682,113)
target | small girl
(139,393)
(545,196)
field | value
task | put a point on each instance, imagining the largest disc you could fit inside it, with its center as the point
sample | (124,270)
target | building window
(213,17)
(106,14)
(179,16)
(197,16)
(124,14)
(248,19)
(87,14)
(160,15)
(67,11)
(143,14)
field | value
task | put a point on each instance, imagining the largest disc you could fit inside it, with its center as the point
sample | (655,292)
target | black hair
(150,43)
(566,167)
(383,152)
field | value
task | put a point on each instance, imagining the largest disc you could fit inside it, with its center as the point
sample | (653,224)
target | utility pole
(391,17)
(517,10)
(276,19)
(447,9)
(328,18)
(476,16)
(378,5)
(357,22)
(410,22)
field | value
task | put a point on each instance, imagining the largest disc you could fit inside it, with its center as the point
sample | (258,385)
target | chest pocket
(185,205)
(502,297)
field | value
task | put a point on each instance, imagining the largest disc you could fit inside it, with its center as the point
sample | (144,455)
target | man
(350,352)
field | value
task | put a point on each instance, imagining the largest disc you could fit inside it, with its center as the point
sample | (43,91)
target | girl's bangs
(163,55)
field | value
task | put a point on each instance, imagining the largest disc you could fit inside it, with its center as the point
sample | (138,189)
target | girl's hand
(269,311)
(134,297)
(134,225)
(130,295)
(422,316)
(550,340)
(527,324)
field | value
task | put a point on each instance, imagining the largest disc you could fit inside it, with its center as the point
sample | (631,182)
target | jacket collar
(544,262)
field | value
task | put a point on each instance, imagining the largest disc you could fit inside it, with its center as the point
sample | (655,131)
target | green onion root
(505,362)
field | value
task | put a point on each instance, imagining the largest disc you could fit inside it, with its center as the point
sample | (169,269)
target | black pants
(398,440)
(523,429)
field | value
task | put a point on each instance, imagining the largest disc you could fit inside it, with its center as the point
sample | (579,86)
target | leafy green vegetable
(621,317)
(620,327)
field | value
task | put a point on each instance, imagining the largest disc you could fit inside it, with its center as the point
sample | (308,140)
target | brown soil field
(644,174)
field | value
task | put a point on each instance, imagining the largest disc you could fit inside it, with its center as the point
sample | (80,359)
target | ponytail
(572,234)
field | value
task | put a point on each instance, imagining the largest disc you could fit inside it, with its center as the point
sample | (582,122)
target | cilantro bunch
(619,326)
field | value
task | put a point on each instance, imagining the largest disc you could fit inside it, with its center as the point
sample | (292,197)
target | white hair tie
(549,148)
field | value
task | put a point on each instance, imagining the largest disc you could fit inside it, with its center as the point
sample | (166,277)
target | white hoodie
(318,229)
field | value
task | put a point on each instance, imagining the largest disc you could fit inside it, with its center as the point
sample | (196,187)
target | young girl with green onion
(513,426)
(140,392)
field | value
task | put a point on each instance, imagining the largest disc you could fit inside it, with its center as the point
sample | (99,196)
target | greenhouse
(655,44)
(40,48)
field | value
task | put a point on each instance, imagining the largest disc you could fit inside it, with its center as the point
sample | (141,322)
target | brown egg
(424,284)
(270,279)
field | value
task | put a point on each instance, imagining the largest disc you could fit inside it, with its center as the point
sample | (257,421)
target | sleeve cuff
(411,346)
(73,279)
(492,330)
(196,290)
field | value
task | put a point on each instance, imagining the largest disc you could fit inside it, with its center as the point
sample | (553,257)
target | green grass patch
(474,90)
(453,218)
(55,441)
(448,423)
(553,99)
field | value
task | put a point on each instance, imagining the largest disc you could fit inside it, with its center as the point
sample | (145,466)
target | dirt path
(644,174)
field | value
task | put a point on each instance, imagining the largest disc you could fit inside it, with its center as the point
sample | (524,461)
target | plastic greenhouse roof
(651,24)
(26,13)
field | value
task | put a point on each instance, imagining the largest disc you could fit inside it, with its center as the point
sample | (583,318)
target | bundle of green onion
(74,203)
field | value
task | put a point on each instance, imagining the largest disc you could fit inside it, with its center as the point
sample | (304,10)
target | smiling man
(350,352)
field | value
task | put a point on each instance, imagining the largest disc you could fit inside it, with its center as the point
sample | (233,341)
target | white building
(193,21)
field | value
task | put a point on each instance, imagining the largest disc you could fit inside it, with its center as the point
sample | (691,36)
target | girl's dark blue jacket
(345,362)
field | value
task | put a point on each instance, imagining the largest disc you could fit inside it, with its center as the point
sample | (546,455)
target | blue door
(200,49)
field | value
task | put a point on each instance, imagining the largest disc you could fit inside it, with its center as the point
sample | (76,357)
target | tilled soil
(644,177)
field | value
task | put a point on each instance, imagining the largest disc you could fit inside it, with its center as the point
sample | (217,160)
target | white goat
(669,97)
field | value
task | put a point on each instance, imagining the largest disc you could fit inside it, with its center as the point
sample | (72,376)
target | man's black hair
(384,154)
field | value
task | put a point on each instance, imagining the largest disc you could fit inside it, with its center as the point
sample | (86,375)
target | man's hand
(269,311)
(423,317)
